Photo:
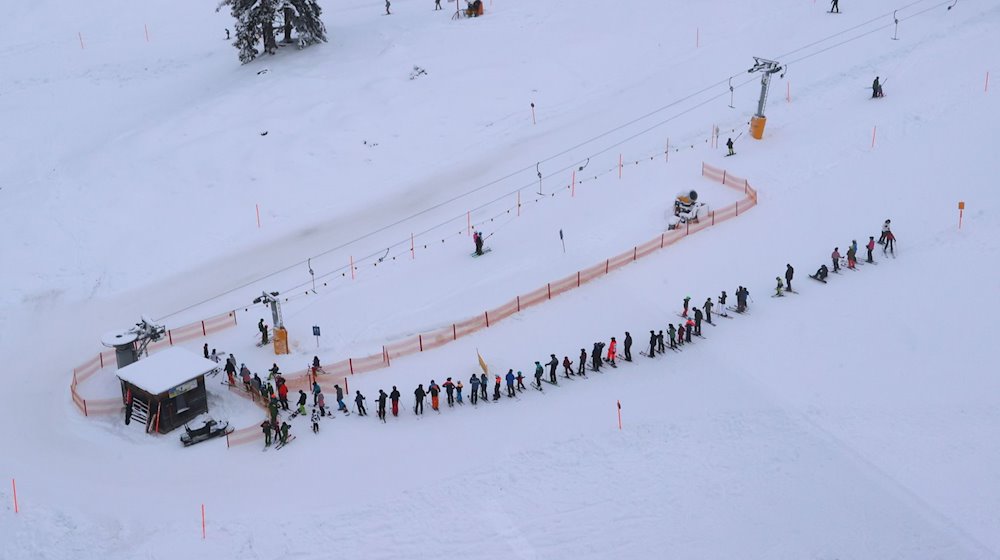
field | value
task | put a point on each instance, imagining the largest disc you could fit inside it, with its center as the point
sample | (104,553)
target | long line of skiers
(674,339)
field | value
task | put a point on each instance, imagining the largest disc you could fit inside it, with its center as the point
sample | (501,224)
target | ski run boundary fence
(333,373)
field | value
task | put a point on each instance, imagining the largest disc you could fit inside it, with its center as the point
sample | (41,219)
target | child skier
(520,381)
(778,290)
(458,391)
(567,366)
(315,420)
(449,389)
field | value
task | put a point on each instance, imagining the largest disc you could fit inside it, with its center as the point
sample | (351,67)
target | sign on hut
(166,389)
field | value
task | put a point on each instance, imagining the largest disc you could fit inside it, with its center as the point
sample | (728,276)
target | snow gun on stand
(687,209)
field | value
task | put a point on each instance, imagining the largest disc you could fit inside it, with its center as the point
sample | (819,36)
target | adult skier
(316,391)
(553,364)
(283,396)
(659,342)
(520,381)
(483,382)
(876,88)
(673,336)
(449,389)
(477,238)
(567,366)
(881,240)
(321,403)
(230,369)
(628,347)
(474,383)
(284,432)
(870,247)
(708,309)
(780,287)
(302,401)
(496,388)
(688,328)
(539,370)
(380,408)
(510,383)
(852,258)
(835,257)
(741,299)
(652,344)
(698,317)
(265,427)
(789,273)
(722,304)
(612,351)
(595,356)
(263,332)
(204,350)
(340,398)
(315,420)
(835,8)
(729,144)
(435,390)
(419,394)
(583,362)
(359,401)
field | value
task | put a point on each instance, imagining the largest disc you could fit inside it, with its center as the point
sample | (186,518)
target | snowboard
(813,276)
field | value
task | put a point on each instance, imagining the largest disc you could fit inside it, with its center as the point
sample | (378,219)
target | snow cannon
(687,209)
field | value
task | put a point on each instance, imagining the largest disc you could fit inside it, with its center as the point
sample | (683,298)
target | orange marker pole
(961,209)
(619,415)
(13,484)
(146,29)
(203,521)
(533,113)
(258,215)
(572,190)
(80,35)
(873,136)
(352,267)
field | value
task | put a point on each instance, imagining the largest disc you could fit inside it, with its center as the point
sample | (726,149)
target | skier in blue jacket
(510,383)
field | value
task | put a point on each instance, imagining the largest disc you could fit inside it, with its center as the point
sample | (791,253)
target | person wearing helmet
(419,394)
(510,383)
(434,390)
(583,362)
(553,364)
(520,381)
(474,393)
(789,273)
(652,344)
(885,230)
(687,300)
(697,321)
(394,398)
(871,247)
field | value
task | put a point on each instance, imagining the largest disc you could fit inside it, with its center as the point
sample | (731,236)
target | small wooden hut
(167,389)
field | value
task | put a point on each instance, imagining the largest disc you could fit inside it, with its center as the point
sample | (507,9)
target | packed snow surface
(855,419)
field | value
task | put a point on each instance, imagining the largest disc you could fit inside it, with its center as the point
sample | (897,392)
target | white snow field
(856,419)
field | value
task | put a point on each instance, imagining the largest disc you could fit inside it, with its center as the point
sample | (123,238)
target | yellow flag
(482,363)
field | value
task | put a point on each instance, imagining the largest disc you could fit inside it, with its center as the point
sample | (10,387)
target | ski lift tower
(280,334)
(767,68)
(131,343)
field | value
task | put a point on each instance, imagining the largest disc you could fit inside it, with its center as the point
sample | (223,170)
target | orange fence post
(487,319)
(635,252)
(170,337)
(101,356)
(724,176)
(85,407)
(737,208)
(420,341)
(607,264)
(577,278)
(203,331)
(961,209)
(713,217)
(350,365)
(549,288)
(454,332)
(518,304)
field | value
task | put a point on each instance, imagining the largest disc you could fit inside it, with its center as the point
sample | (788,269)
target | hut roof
(164,370)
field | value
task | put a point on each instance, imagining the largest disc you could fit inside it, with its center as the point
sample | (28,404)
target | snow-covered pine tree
(305,16)
(254,21)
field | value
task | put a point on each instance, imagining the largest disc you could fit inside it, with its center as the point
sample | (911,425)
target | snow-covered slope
(853,420)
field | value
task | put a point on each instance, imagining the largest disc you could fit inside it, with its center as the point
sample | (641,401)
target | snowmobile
(687,209)
(211,429)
